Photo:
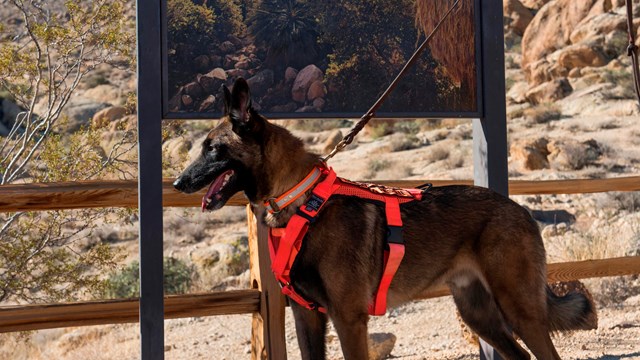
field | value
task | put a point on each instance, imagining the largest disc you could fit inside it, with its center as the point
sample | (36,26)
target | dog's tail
(573,311)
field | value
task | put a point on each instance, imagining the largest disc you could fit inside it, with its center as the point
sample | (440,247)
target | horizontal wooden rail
(97,194)
(575,270)
(34,317)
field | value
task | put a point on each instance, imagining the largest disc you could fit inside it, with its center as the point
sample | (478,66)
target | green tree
(125,283)
(43,58)
(368,42)
(288,31)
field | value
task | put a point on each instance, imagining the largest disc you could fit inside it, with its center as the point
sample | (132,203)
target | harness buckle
(394,235)
(309,218)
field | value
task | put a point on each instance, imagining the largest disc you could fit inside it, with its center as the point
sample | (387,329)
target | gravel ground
(424,330)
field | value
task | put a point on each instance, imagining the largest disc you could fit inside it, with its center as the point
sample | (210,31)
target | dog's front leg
(311,327)
(351,327)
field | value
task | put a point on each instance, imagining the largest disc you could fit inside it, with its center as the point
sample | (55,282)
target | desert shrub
(542,113)
(376,165)
(378,130)
(189,23)
(624,81)
(401,142)
(438,152)
(125,283)
(621,201)
(317,125)
(411,127)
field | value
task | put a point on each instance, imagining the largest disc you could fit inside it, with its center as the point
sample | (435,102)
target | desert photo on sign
(321,58)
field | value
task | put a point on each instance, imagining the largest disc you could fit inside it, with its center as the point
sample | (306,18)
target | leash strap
(347,139)
(632,49)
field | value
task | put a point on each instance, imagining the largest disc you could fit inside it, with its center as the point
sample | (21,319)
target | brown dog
(484,247)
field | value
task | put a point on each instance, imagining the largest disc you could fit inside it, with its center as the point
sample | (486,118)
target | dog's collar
(275,205)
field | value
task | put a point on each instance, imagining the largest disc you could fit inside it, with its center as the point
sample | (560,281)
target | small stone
(381,345)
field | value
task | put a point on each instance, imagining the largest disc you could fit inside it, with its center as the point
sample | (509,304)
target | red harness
(285,243)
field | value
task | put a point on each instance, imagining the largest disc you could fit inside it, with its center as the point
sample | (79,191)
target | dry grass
(438,152)
(542,113)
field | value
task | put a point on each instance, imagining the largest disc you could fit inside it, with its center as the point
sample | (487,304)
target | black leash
(347,139)
(632,49)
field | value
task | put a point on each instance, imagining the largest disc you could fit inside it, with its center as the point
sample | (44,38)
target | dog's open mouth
(218,194)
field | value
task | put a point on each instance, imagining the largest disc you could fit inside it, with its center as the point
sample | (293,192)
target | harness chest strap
(285,243)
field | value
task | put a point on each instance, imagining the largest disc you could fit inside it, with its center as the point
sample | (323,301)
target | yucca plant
(288,32)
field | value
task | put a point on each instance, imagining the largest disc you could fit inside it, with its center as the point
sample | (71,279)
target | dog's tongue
(215,187)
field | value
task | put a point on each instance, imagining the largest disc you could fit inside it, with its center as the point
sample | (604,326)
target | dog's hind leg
(311,327)
(479,310)
(525,308)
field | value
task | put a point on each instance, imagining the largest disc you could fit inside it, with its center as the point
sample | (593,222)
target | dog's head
(229,154)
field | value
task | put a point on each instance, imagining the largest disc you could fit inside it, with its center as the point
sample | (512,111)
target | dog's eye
(210,148)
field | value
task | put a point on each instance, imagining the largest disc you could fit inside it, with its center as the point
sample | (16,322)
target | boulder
(80,110)
(290,75)
(105,93)
(530,154)
(319,103)
(207,104)
(107,115)
(518,92)
(303,81)
(334,138)
(598,25)
(194,90)
(211,81)
(581,55)
(316,90)
(534,4)
(549,91)
(551,28)
(215,61)
(570,154)
(517,16)
(227,47)
(201,63)
(187,100)
(175,103)
(261,82)
(205,258)
(539,72)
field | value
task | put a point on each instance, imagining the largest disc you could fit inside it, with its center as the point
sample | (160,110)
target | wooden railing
(268,318)
(97,194)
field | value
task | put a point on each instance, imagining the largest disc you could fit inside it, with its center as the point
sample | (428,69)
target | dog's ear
(227,99)
(240,111)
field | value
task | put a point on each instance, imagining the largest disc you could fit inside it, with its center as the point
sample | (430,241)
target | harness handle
(347,139)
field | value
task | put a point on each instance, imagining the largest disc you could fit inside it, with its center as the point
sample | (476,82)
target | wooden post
(267,329)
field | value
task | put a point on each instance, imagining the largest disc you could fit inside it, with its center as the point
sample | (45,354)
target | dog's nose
(178,184)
